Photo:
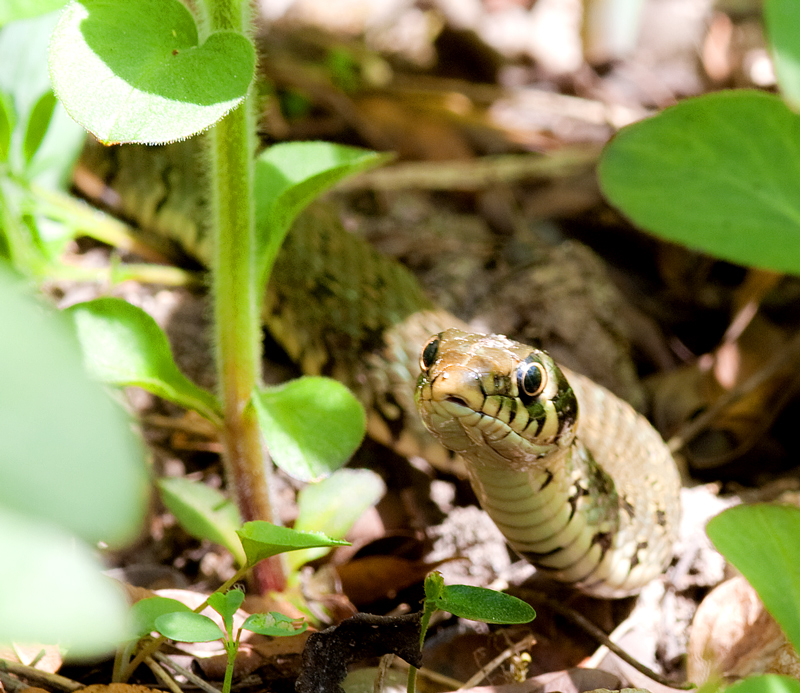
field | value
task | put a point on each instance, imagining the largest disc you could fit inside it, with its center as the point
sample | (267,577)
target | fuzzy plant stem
(236,301)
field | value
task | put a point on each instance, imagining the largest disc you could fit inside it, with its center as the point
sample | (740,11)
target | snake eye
(429,353)
(531,379)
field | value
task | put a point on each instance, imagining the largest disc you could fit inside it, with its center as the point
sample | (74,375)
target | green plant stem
(231,648)
(236,301)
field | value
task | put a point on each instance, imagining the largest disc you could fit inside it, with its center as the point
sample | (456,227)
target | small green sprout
(466,601)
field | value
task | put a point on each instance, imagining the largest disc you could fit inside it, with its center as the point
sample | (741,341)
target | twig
(53,680)
(474,175)
(12,685)
(190,676)
(487,669)
(593,631)
(162,675)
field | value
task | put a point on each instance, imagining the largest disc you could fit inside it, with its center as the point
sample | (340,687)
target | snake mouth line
(456,400)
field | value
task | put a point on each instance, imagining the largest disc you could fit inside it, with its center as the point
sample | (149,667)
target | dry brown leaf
(365,580)
(732,634)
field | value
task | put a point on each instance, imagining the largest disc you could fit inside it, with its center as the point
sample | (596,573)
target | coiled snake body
(578,482)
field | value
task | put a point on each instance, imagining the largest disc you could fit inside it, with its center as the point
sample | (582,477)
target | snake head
(498,401)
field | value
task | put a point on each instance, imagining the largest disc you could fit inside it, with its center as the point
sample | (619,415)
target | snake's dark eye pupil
(530,379)
(429,354)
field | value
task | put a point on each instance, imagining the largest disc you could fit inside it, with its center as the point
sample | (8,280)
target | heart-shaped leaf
(204,512)
(133,71)
(262,539)
(312,425)
(184,626)
(226,605)
(718,173)
(123,345)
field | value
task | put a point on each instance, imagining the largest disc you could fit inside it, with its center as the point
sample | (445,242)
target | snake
(579,483)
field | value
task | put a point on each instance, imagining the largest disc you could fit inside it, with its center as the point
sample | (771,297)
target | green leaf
(67,449)
(481,604)
(133,71)
(767,683)
(290,175)
(74,604)
(13,10)
(333,505)
(782,21)
(123,345)
(262,539)
(188,626)
(143,614)
(718,173)
(312,425)
(763,542)
(274,624)
(38,122)
(226,605)
(204,512)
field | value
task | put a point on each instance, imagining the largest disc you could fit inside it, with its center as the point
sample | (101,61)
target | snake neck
(561,514)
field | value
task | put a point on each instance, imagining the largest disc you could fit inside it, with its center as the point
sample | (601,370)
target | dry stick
(593,631)
(487,669)
(789,354)
(162,675)
(190,676)
(53,680)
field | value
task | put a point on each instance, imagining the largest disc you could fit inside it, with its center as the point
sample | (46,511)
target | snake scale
(579,483)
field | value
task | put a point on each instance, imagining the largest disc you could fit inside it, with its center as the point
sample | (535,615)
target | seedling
(467,601)
(174,620)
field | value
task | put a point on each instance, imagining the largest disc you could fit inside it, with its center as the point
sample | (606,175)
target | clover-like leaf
(123,345)
(134,71)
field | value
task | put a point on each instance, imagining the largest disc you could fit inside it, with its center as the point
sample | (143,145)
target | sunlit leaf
(134,71)
(718,173)
(312,425)
(262,539)
(123,345)
(763,542)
